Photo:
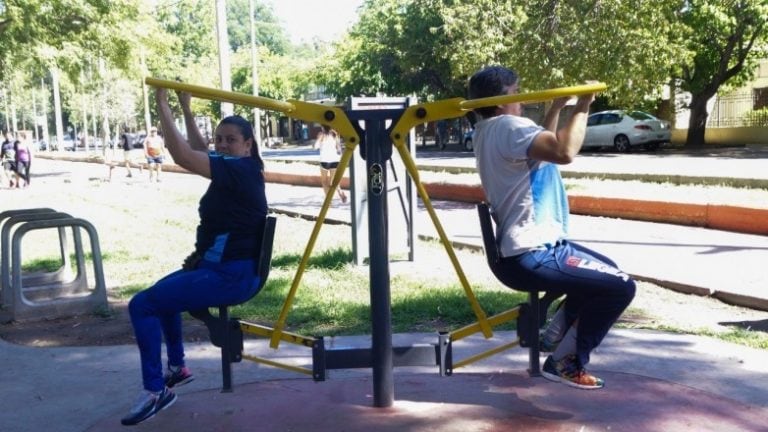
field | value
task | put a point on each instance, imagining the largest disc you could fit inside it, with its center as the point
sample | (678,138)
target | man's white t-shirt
(527,197)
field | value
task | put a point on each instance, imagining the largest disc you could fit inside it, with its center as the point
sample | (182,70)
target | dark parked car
(138,141)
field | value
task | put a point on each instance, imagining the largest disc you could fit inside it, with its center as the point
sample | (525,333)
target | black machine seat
(225,332)
(532,314)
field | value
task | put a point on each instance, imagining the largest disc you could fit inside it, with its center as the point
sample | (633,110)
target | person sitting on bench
(222,270)
(518,165)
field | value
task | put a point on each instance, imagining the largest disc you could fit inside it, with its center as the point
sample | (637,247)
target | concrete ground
(655,381)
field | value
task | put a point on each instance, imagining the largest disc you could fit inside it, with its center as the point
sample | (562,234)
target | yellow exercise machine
(377,138)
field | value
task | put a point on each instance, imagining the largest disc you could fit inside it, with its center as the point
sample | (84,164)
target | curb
(714,216)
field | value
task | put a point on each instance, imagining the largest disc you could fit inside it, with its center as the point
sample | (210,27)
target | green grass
(41,265)
(643,319)
(740,336)
(333,296)
(333,299)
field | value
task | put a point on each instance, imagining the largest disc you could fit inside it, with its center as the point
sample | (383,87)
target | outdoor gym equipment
(375,131)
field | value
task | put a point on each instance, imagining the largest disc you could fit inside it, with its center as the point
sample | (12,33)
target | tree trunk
(697,125)
(57,109)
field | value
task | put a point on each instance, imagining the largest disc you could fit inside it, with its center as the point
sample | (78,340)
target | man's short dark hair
(488,82)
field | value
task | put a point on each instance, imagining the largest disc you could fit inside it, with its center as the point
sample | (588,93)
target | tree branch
(743,53)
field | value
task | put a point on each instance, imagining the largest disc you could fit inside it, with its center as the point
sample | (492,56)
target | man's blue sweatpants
(597,292)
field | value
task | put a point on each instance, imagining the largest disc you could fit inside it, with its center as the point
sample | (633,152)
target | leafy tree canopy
(431,47)
(268,31)
(725,40)
(42,29)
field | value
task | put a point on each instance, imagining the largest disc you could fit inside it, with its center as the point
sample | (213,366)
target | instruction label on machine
(376,179)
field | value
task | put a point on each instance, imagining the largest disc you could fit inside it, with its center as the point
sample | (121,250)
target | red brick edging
(723,217)
(715,216)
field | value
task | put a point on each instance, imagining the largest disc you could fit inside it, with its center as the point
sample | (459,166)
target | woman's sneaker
(147,405)
(178,377)
(570,372)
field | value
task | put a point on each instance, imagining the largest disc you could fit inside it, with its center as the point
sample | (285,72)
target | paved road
(748,162)
(689,259)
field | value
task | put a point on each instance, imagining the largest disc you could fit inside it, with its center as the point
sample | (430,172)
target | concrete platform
(461,403)
(654,382)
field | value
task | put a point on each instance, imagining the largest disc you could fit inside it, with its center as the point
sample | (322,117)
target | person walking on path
(126,142)
(23,154)
(154,151)
(518,165)
(222,268)
(330,150)
(8,158)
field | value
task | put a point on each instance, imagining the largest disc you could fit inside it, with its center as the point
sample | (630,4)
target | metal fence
(740,110)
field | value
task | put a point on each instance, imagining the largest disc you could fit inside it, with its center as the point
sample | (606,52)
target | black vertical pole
(533,350)
(378,149)
(226,349)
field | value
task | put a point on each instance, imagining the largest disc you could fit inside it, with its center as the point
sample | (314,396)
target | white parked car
(623,130)
(65,144)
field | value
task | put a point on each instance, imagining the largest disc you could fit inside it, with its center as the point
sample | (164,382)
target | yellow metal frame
(273,363)
(474,328)
(337,119)
(267,332)
(457,107)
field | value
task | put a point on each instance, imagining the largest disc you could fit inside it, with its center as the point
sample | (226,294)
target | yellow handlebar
(531,97)
(311,112)
(457,107)
(221,95)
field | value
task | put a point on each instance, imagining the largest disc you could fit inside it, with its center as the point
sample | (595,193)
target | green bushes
(756,118)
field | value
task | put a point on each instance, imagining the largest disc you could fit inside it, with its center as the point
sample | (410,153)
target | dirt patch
(113,328)
(653,307)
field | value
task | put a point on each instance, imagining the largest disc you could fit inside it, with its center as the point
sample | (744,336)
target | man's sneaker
(177,378)
(570,372)
(147,405)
